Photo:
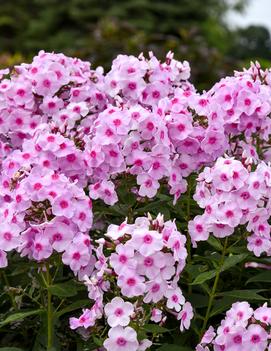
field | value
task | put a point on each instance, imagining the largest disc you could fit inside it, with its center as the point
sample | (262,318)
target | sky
(258,12)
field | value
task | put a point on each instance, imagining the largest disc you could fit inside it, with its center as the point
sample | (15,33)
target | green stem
(58,264)
(43,278)
(49,310)
(60,304)
(10,294)
(213,291)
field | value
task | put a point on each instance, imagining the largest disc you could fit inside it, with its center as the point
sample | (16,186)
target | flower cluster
(231,196)
(43,211)
(140,264)
(143,118)
(243,329)
(241,104)
(70,134)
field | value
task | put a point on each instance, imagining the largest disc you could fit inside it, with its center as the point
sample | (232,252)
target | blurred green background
(98,30)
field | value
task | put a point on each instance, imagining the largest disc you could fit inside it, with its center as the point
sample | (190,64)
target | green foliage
(214,277)
(66,289)
(99,30)
(155,329)
(19,316)
(264,277)
(172,347)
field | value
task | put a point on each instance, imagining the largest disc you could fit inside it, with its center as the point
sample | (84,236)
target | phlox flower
(105,191)
(176,243)
(258,244)
(63,206)
(175,298)
(208,335)
(85,320)
(9,236)
(256,338)
(151,265)
(60,235)
(221,230)
(263,314)
(146,242)
(156,315)
(155,290)
(235,339)
(144,344)
(148,185)
(120,338)
(198,228)
(76,256)
(118,312)
(131,284)
(214,142)
(123,259)
(240,313)
(230,214)
(3,259)
(185,316)
(41,247)
(115,232)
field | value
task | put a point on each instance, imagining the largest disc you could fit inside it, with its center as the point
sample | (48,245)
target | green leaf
(126,196)
(153,205)
(231,261)
(72,307)
(238,249)
(262,277)
(172,347)
(221,305)
(19,316)
(155,329)
(10,349)
(215,243)
(244,294)
(98,342)
(197,300)
(40,343)
(194,269)
(66,289)
(164,197)
(118,209)
(201,278)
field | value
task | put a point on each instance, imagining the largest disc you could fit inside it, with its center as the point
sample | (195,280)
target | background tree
(98,30)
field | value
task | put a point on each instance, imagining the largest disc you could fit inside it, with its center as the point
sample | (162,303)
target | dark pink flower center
(121,341)
(147,239)
(174,298)
(199,228)
(131,282)
(148,262)
(237,339)
(7,236)
(155,288)
(64,204)
(76,256)
(119,312)
(57,237)
(255,338)
(229,214)
(123,259)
